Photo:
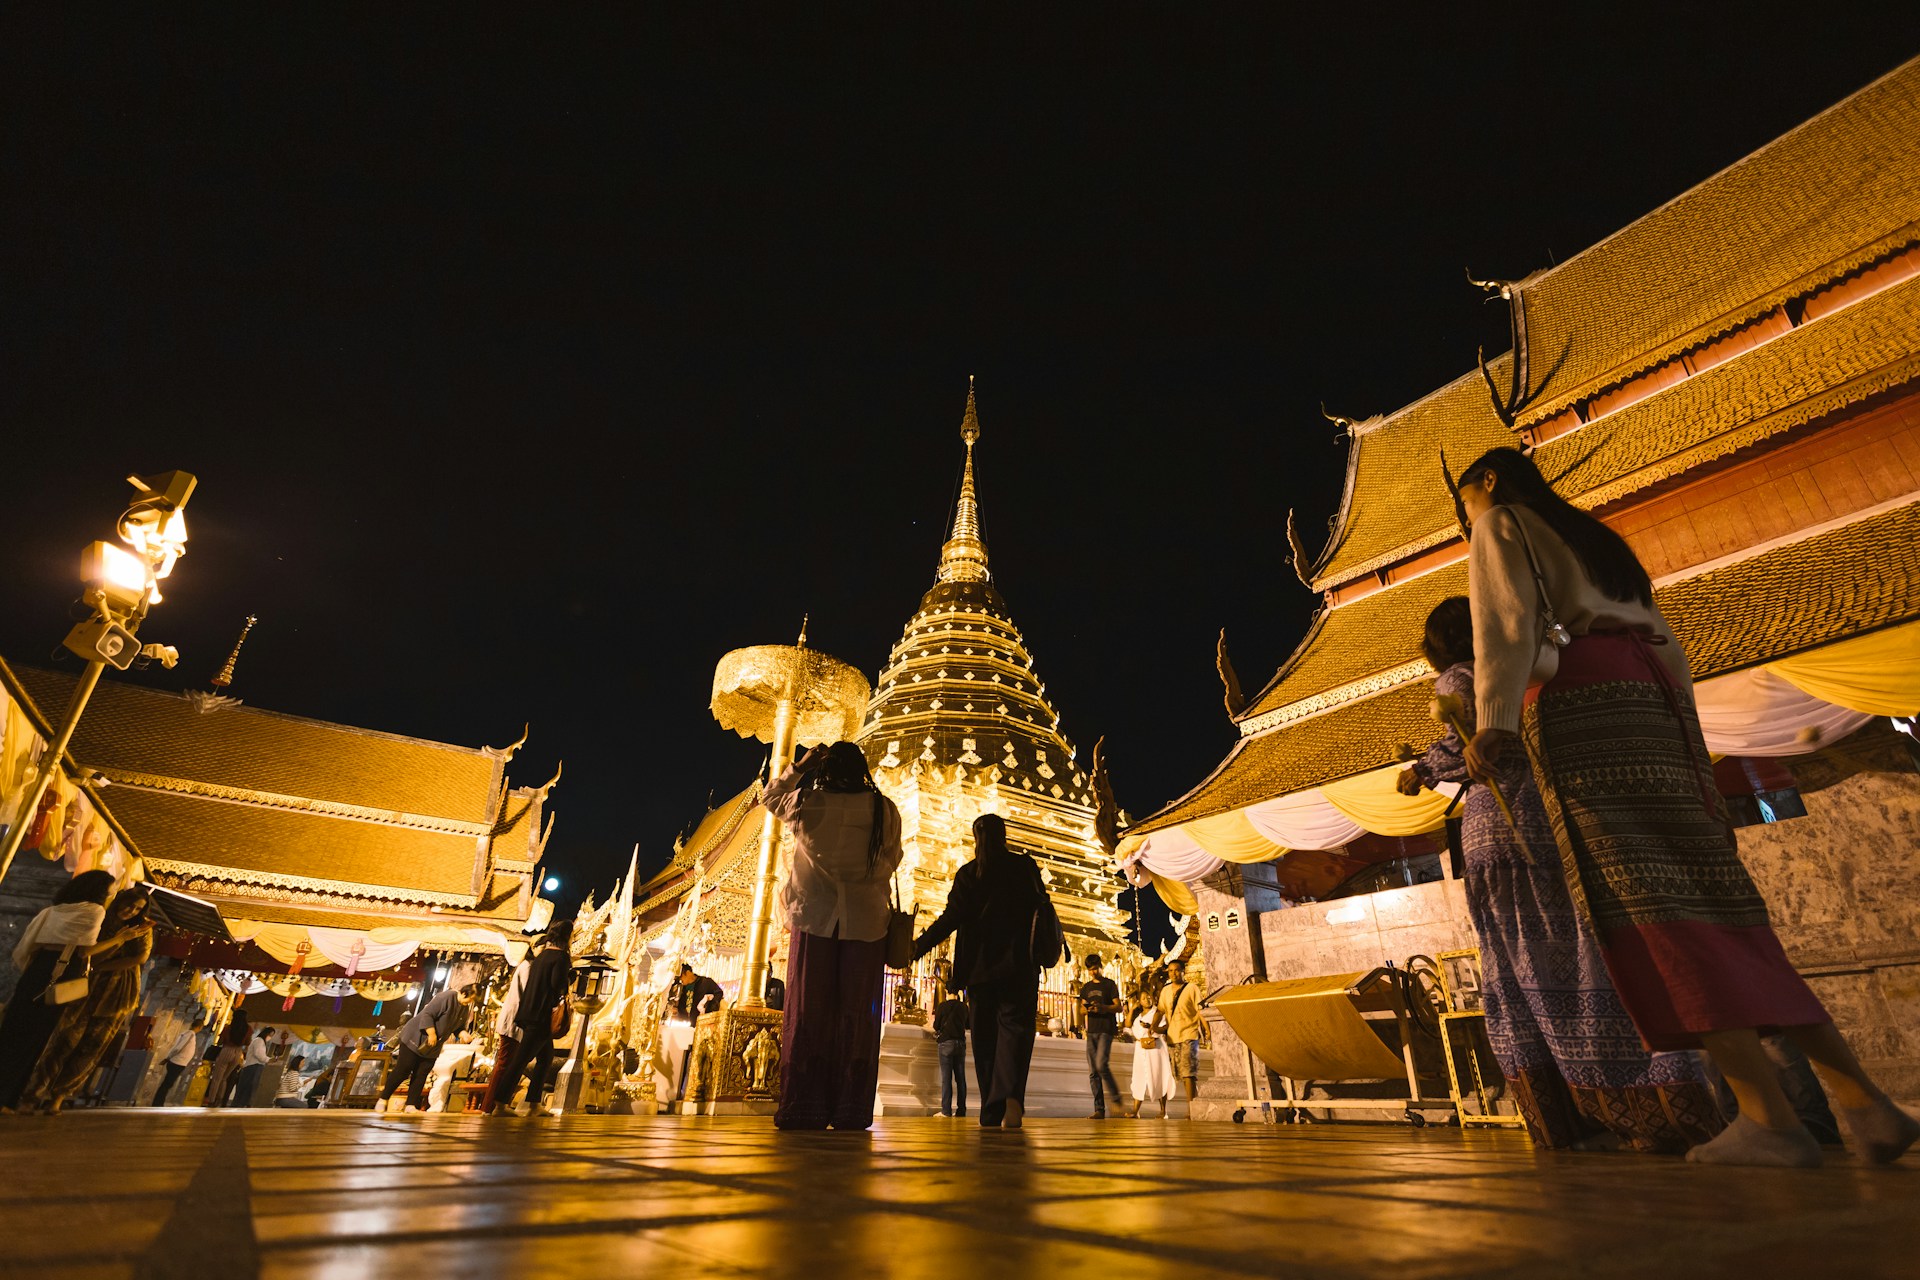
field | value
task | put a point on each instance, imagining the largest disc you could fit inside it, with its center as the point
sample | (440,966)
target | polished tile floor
(327,1195)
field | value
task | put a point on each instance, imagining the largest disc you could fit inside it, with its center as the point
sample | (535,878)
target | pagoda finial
(964,557)
(224,677)
(804,619)
(970,423)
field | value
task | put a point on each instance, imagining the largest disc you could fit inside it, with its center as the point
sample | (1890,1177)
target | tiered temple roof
(283,818)
(1828,200)
(717,855)
(1771,300)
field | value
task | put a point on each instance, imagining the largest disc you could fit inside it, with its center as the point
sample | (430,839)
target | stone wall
(1843,884)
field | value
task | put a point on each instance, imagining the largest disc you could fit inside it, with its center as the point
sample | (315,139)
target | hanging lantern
(299,963)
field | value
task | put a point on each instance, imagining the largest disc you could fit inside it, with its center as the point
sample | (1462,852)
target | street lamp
(121,586)
(593,975)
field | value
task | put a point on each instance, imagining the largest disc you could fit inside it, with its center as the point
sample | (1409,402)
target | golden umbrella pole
(783,695)
(760,931)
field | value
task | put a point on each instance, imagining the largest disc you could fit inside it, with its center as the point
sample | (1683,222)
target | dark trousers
(244,1082)
(414,1066)
(27,1025)
(501,1057)
(1099,1073)
(831,1032)
(163,1096)
(536,1050)
(1002,1021)
(220,1082)
(953,1077)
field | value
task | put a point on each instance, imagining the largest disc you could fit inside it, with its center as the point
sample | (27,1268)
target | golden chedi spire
(960,724)
(964,557)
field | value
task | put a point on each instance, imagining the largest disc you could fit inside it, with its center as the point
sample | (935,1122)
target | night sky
(527,368)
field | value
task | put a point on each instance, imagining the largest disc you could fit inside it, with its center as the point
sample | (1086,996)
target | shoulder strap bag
(899,930)
(1046,939)
(64,990)
(1553,636)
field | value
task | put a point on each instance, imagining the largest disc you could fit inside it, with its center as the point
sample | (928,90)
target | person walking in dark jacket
(540,1017)
(993,906)
(421,1039)
(950,1038)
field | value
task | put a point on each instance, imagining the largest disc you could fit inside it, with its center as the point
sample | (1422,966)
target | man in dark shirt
(1100,1000)
(695,994)
(950,1038)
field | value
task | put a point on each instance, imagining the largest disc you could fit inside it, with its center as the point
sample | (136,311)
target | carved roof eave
(1373,426)
(1334,699)
(1565,398)
(1286,668)
(333,889)
(1728,442)
(1310,574)
(298,804)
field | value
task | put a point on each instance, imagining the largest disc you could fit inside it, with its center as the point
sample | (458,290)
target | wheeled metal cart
(1317,1029)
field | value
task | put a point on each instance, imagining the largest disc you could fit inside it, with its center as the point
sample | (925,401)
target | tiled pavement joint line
(1185,1254)
(210,1231)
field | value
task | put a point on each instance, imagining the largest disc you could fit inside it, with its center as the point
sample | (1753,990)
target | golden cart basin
(1311,1028)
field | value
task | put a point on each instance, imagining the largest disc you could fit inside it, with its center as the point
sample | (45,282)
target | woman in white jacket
(846,846)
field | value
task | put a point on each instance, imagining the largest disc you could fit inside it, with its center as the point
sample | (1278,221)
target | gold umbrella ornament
(782,694)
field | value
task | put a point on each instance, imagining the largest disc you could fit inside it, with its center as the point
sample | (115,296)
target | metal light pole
(124,585)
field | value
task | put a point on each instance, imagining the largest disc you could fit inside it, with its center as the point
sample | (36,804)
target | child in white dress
(1152,1068)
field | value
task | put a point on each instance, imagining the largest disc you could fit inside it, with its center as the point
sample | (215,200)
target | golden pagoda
(960,725)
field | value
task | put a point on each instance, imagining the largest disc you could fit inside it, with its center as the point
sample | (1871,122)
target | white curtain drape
(1756,713)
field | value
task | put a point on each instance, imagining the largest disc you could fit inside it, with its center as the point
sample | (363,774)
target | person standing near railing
(1180,1008)
(1100,1005)
(950,1041)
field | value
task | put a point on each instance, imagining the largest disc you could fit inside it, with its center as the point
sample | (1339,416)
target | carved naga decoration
(1229,678)
(1520,391)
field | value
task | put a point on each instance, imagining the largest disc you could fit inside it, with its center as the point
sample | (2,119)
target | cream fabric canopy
(1783,708)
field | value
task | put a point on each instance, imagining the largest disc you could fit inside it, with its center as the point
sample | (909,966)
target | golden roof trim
(297,804)
(1388,559)
(201,872)
(1811,282)
(1797,414)
(1320,703)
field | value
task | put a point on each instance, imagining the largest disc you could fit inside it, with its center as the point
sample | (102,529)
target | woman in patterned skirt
(1571,654)
(1578,1070)
(89,1027)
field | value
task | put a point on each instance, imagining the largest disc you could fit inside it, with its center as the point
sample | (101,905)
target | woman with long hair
(992,905)
(1555,1024)
(89,1027)
(1573,657)
(846,847)
(49,951)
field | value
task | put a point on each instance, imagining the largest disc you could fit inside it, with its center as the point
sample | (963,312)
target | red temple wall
(1869,456)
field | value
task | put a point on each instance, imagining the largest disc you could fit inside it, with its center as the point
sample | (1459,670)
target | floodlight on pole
(121,586)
